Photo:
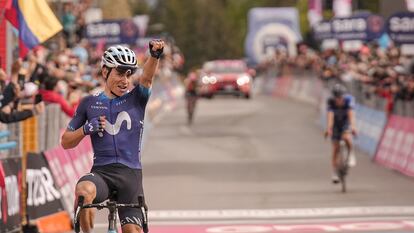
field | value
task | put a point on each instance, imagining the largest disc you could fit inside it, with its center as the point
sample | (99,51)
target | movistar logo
(113,129)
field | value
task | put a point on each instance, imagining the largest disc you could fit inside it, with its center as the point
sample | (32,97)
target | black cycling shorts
(338,131)
(127,182)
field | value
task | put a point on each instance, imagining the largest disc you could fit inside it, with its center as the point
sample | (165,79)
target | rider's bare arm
(330,121)
(147,76)
(71,139)
(351,117)
(150,65)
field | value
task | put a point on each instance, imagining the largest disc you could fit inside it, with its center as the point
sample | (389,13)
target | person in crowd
(50,94)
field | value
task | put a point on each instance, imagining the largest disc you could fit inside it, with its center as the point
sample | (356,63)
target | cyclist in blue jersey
(340,125)
(114,119)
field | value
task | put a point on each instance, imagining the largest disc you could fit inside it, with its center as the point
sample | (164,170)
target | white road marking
(278,216)
(282,213)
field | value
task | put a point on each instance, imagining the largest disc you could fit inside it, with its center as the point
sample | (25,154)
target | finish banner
(10,187)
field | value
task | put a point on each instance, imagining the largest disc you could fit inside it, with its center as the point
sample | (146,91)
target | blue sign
(322,30)
(400,27)
(370,124)
(113,32)
(364,27)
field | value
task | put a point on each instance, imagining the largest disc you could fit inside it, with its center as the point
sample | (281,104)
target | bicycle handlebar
(106,205)
(112,206)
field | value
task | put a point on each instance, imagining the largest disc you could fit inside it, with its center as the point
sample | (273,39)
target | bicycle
(191,104)
(343,166)
(112,206)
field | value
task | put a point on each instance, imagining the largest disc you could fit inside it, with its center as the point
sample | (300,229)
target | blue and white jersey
(120,142)
(341,118)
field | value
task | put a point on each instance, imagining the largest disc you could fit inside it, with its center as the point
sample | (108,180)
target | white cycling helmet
(119,56)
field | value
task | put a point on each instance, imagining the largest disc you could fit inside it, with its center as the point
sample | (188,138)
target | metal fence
(35,134)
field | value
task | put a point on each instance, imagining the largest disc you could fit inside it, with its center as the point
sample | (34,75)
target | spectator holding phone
(15,116)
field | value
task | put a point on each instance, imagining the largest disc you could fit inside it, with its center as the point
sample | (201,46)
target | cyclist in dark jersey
(341,124)
(114,119)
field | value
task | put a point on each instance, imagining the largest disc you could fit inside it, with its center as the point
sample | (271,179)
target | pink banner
(282,87)
(396,149)
(68,166)
(342,8)
(314,11)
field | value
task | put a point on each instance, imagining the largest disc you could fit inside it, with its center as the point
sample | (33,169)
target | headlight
(209,80)
(213,80)
(205,80)
(243,79)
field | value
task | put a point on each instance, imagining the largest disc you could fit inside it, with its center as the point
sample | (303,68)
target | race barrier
(396,150)
(370,124)
(10,183)
(386,139)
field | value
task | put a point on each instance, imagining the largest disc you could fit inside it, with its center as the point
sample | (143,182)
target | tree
(209,29)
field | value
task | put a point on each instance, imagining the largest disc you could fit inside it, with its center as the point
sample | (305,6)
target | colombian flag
(34,20)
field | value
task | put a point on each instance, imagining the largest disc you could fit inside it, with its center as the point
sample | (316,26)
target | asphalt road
(268,155)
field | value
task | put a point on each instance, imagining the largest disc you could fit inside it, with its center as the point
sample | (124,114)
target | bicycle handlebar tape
(144,210)
(76,218)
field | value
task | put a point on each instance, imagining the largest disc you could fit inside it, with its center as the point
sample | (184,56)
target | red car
(225,77)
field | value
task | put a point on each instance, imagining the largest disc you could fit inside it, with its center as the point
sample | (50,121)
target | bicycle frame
(112,206)
(343,166)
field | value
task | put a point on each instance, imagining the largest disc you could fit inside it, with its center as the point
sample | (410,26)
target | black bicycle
(112,206)
(191,105)
(343,166)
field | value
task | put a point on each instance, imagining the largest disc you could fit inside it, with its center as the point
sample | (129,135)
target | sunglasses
(128,70)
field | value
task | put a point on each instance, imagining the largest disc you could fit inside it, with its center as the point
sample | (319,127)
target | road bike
(191,104)
(343,165)
(112,206)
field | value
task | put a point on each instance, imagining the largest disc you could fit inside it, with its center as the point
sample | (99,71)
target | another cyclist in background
(114,120)
(340,125)
(191,87)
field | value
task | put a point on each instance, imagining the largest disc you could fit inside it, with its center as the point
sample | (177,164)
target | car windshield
(228,67)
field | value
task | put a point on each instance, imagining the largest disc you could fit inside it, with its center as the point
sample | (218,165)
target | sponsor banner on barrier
(282,87)
(81,157)
(10,185)
(43,198)
(62,169)
(58,222)
(396,149)
(370,125)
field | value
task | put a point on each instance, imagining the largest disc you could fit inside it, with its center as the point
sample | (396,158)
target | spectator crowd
(65,70)
(370,72)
